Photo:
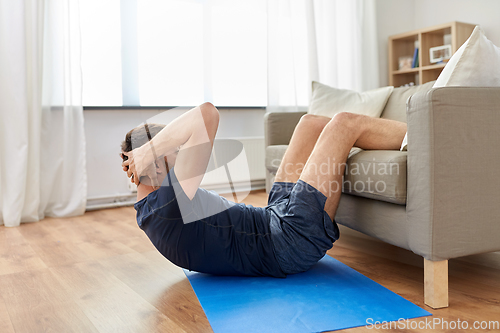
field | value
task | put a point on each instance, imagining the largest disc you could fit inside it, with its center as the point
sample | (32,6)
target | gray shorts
(301,230)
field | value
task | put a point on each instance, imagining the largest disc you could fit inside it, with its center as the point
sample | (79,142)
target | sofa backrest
(395,108)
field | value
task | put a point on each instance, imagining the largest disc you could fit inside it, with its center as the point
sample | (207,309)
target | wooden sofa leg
(436,283)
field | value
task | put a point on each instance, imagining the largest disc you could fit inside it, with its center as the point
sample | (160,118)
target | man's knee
(347,121)
(348,117)
(313,122)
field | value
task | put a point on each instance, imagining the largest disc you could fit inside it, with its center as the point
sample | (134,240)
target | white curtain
(330,41)
(42,143)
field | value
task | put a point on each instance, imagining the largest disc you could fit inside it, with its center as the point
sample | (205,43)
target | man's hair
(139,136)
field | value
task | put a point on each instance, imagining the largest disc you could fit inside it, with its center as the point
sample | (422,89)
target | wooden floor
(99,273)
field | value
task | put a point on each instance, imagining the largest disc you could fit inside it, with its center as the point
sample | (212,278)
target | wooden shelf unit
(403,45)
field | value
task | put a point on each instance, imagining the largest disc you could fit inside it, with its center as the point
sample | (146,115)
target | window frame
(163,108)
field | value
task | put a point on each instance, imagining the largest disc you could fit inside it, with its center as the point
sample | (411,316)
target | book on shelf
(415,58)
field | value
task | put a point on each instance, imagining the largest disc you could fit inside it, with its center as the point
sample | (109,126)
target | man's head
(138,137)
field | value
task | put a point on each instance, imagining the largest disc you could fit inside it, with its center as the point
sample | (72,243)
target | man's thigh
(325,167)
(381,134)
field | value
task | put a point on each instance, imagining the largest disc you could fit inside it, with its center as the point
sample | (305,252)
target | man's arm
(194,133)
(143,190)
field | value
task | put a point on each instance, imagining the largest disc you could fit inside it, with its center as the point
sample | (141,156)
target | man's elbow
(209,109)
(210,114)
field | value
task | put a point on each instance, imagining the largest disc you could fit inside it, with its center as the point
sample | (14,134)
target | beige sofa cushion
(374,174)
(327,101)
(377,174)
(395,109)
(274,155)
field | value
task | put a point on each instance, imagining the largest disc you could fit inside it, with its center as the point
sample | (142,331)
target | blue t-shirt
(208,234)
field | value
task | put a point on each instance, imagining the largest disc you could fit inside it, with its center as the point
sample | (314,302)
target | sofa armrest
(453,176)
(279,126)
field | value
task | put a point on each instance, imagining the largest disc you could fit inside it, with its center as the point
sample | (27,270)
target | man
(201,231)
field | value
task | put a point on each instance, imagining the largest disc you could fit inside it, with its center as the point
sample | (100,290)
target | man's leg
(301,145)
(342,132)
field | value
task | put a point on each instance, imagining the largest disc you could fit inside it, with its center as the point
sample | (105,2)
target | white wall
(485,13)
(393,17)
(106,129)
(396,16)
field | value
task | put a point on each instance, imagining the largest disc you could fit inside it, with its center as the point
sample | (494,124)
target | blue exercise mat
(330,296)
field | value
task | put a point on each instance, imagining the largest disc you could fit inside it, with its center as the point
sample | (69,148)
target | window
(174,52)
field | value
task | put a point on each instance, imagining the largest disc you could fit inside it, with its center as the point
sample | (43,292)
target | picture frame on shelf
(405,63)
(440,53)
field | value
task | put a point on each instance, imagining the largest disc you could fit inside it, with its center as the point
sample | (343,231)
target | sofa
(440,198)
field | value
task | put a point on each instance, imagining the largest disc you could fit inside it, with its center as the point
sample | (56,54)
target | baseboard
(103,202)
(239,187)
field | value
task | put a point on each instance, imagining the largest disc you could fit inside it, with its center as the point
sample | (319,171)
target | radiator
(236,170)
